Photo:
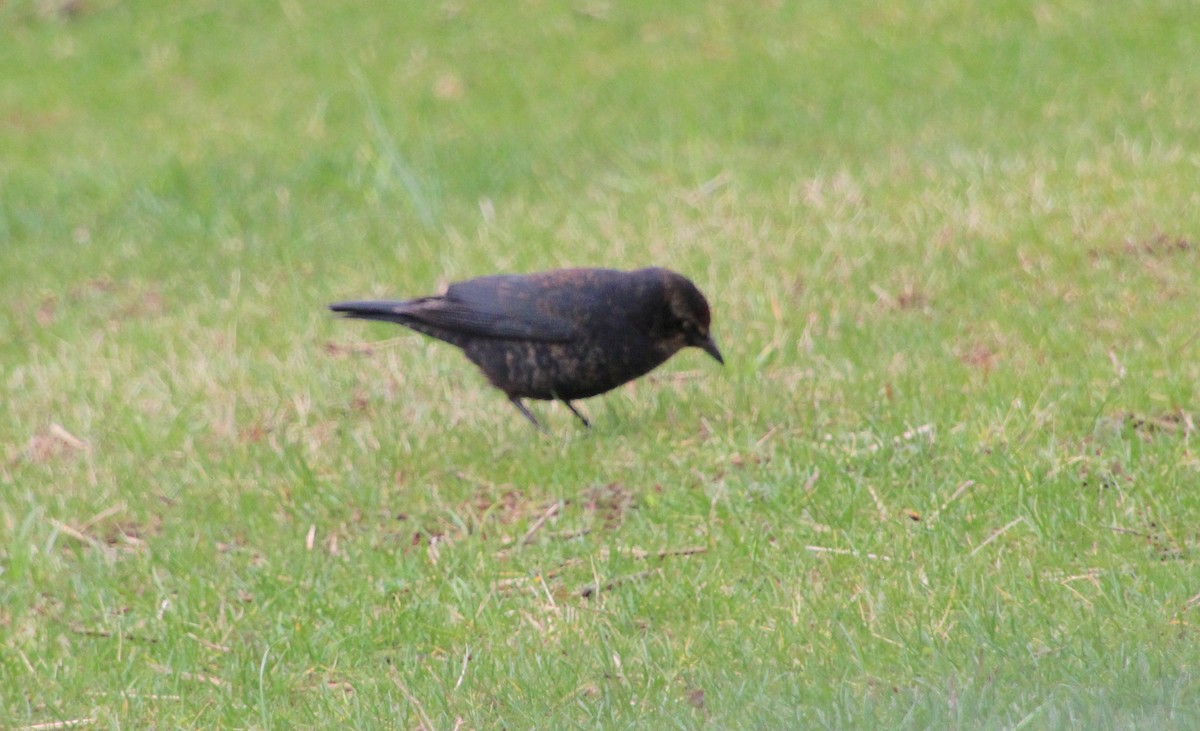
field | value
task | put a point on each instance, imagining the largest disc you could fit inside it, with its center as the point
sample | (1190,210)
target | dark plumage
(559,335)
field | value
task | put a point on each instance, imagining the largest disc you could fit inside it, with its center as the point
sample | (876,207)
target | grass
(945,479)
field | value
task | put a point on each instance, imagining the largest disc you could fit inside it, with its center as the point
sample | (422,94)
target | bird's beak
(710,347)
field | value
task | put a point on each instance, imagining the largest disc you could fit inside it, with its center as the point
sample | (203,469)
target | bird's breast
(572,370)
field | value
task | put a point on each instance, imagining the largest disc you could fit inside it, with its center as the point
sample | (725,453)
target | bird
(559,335)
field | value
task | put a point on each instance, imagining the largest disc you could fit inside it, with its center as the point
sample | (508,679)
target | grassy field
(945,479)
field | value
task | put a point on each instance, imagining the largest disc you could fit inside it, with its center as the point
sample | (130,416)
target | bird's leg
(527,413)
(582,418)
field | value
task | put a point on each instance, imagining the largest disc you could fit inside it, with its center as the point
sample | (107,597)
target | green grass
(945,479)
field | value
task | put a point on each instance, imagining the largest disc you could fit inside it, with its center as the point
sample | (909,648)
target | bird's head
(687,315)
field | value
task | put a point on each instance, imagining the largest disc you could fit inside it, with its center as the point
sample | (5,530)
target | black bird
(559,335)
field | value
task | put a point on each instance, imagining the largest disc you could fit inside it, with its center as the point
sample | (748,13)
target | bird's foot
(574,411)
(527,414)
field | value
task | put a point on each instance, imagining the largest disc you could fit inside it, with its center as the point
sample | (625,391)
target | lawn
(944,480)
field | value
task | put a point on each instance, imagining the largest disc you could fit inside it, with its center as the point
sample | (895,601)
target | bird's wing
(500,307)
(450,319)
(496,307)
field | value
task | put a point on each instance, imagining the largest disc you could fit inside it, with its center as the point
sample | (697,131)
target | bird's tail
(421,314)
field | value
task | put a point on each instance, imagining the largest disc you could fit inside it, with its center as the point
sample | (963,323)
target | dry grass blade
(426,724)
(189,676)
(223,649)
(847,552)
(962,488)
(88,632)
(879,505)
(537,524)
(641,555)
(509,585)
(591,590)
(996,534)
(70,723)
(66,437)
(82,537)
(463,672)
